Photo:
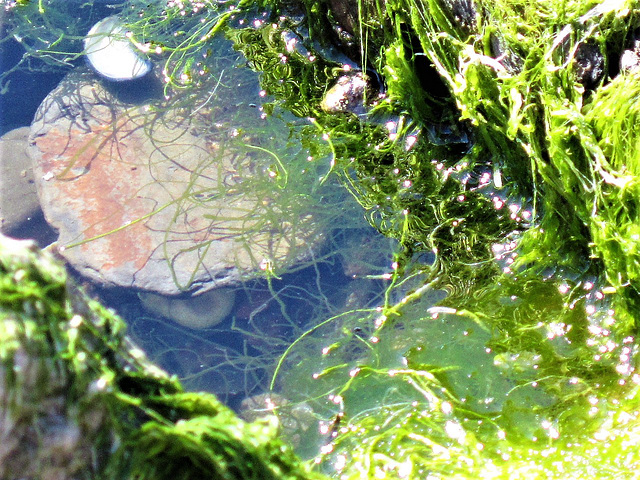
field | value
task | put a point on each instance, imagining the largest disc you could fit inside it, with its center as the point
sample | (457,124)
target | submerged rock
(78,400)
(589,64)
(294,419)
(112,54)
(350,93)
(18,198)
(141,198)
(464,14)
(202,311)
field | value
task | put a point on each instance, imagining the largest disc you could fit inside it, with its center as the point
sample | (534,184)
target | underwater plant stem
(327,137)
(303,336)
(122,227)
(222,20)
(280,181)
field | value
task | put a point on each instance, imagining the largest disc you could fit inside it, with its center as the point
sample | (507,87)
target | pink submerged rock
(141,198)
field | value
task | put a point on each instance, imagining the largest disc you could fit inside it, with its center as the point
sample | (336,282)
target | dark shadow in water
(137,92)
(26,89)
(35,228)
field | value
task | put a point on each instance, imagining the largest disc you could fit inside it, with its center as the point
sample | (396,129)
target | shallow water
(235,358)
(339,335)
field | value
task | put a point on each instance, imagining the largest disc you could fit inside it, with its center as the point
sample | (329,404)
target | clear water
(237,357)
(312,337)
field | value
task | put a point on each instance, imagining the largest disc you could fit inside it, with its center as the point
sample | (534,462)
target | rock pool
(439,281)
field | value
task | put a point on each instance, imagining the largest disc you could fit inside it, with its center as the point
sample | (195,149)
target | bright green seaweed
(84,402)
(556,143)
(512,354)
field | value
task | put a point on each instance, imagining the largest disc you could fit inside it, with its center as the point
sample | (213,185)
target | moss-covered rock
(79,401)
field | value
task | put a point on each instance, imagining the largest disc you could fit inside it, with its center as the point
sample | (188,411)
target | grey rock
(41,435)
(199,312)
(18,198)
(589,64)
(463,13)
(350,93)
(501,51)
(346,14)
(142,198)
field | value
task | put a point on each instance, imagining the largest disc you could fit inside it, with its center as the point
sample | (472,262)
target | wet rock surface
(589,64)
(143,199)
(463,13)
(630,58)
(47,439)
(295,420)
(350,94)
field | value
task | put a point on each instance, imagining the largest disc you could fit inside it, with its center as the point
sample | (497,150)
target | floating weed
(493,384)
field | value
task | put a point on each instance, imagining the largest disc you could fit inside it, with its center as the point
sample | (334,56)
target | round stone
(202,311)
(142,198)
(112,54)
(348,94)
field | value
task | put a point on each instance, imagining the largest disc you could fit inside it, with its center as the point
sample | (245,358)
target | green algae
(521,371)
(403,195)
(65,360)
(557,143)
(538,121)
(512,379)
(49,32)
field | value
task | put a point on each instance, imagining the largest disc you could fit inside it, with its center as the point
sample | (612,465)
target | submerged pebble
(112,54)
(349,94)
(201,311)
(294,419)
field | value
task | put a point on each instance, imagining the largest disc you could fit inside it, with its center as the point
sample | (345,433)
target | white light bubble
(454,430)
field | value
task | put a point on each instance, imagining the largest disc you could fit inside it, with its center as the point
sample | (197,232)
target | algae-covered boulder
(77,400)
(154,197)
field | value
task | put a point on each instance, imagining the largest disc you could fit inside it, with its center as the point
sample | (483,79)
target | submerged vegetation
(498,147)
(79,401)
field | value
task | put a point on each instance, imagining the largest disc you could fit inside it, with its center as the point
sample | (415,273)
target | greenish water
(472,309)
